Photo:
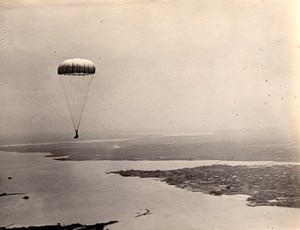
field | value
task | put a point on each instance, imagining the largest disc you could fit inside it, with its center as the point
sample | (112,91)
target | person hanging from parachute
(76,76)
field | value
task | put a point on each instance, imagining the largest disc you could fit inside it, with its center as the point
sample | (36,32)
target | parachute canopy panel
(76,67)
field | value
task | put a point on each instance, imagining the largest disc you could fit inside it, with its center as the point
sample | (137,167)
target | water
(81,191)
(162,146)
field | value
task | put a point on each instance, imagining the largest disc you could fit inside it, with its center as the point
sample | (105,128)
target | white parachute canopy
(76,76)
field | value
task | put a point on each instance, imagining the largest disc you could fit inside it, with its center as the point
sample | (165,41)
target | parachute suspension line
(66,90)
(83,94)
(70,85)
(78,99)
(69,99)
(76,95)
(87,84)
(77,92)
(72,97)
(76,89)
(75,79)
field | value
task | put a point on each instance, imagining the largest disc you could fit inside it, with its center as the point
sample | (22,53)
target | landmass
(241,146)
(273,185)
(145,213)
(64,227)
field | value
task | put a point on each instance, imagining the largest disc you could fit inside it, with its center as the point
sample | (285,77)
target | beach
(83,192)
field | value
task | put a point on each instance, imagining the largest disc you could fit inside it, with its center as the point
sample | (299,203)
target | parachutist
(76,134)
(76,75)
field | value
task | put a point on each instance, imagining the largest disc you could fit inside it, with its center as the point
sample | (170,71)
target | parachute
(76,76)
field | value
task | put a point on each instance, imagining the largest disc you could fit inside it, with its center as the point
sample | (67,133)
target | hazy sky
(161,65)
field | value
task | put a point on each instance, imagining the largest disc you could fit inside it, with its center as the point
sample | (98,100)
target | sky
(161,65)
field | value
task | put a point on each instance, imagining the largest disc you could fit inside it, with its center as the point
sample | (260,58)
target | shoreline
(58,226)
(62,186)
(271,185)
(70,142)
(166,148)
(188,163)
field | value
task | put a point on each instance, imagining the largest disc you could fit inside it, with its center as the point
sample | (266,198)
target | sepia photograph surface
(149,114)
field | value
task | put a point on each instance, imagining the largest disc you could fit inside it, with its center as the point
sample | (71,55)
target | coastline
(271,185)
(180,147)
(58,192)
